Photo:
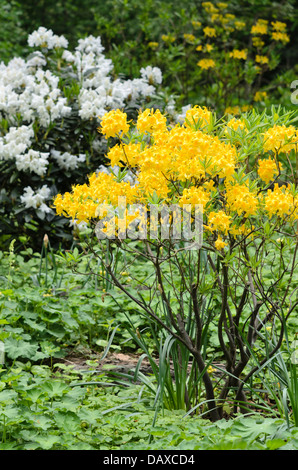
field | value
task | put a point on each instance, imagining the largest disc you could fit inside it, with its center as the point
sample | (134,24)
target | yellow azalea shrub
(241,175)
(192,163)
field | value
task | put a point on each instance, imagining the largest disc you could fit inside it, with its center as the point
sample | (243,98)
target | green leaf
(68,421)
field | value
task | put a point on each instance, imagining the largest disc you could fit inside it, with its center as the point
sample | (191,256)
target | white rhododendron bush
(50,108)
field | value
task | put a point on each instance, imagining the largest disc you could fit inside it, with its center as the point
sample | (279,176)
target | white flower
(90,44)
(33,161)
(181,117)
(66,161)
(46,38)
(78,225)
(152,74)
(15,142)
(36,60)
(36,200)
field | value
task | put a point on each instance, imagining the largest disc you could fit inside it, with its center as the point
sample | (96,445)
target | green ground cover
(83,367)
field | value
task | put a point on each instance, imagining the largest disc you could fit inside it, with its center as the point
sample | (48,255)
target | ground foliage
(60,318)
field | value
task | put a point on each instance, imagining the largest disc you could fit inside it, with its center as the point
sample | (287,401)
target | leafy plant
(244,211)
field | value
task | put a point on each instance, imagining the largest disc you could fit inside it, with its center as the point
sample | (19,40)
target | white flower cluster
(46,38)
(36,199)
(66,161)
(15,142)
(31,93)
(151,74)
(31,97)
(34,161)
(99,92)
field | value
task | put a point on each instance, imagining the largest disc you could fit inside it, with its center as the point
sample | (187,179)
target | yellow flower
(279,26)
(232,110)
(206,64)
(240,199)
(189,38)
(209,7)
(280,139)
(257,41)
(239,25)
(222,6)
(151,121)
(281,202)
(199,47)
(113,123)
(210,32)
(194,196)
(210,369)
(219,221)
(125,154)
(236,54)
(267,169)
(237,125)
(262,59)
(245,108)
(261,27)
(279,36)
(153,45)
(196,24)
(196,113)
(260,96)
(219,245)
(168,38)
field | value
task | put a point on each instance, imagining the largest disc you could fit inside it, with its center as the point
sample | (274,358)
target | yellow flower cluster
(197,113)
(261,27)
(189,38)
(187,164)
(113,123)
(281,201)
(268,169)
(82,203)
(260,95)
(206,64)
(194,195)
(209,32)
(239,25)
(168,38)
(280,139)
(196,24)
(153,45)
(257,41)
(262,59)
(236,125)
(279,26)
(125,154)
(151,121)
(236,54)
(219,221)
(209,7)
(241,200)
(279,36)
(220,244)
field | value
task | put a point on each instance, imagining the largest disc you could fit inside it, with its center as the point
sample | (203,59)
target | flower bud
(46,240)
